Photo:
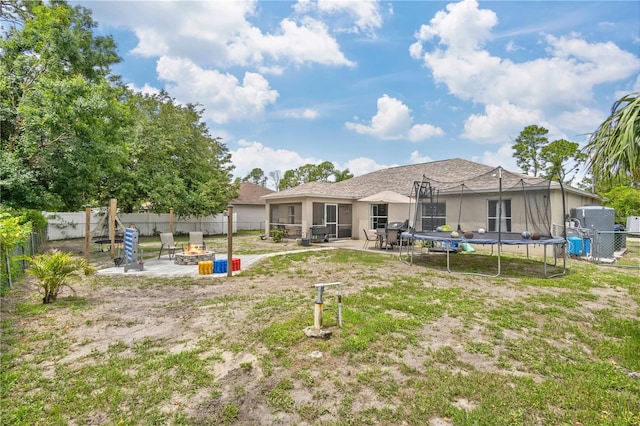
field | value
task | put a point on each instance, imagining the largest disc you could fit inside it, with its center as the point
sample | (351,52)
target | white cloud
(420,132)
(363,165)
(563,81)
(511,46)
(306,42)
(222,95)
(145,90)
(195,42)
(393,121)
(150,43)
(250,155)
(499,122)
(635,87)
(417,158)
(463,28)
(502,157)
(219,33)
(365,15)
(305,113)
(575,122)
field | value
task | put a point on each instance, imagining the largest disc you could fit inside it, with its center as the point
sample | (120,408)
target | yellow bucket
(205,267)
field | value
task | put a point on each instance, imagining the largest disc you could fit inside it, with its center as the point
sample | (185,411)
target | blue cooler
(219,266)
(575,245)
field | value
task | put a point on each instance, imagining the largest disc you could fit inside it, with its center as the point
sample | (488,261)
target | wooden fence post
(112,225)
(87,231)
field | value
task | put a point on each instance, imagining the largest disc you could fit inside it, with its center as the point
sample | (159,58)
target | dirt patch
(182,313)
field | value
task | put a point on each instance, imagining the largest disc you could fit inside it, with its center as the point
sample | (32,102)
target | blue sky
(368,85)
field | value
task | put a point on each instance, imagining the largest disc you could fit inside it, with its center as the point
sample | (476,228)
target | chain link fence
(614,248)
(15,263)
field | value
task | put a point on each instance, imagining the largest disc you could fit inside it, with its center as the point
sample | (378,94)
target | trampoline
(502,219)
(494,239)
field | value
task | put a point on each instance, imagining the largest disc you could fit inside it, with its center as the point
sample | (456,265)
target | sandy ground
(172,311)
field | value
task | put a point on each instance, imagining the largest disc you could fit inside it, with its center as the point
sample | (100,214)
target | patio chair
(368,237)
(197,239)
(391,239)
(166,240)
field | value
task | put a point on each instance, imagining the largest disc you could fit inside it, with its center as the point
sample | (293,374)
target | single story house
(249,206)
(456,192)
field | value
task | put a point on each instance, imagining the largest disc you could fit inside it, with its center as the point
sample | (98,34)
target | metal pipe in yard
(318,306)
(317,312)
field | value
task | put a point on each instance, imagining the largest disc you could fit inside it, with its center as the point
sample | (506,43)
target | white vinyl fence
(66,225)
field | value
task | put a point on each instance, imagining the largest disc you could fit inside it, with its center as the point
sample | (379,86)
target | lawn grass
(418,345)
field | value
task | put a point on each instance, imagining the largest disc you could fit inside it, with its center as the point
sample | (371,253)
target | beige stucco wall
(362,220)
(472,211)
(475,209)
(304,210)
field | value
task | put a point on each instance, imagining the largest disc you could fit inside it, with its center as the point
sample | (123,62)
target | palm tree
(614,148)
(341,175)
(54,269)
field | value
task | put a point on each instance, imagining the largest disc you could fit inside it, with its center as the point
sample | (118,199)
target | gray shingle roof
(250,193)
(446,175)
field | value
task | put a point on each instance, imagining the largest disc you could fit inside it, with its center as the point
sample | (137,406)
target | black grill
(398,226)
(319,232)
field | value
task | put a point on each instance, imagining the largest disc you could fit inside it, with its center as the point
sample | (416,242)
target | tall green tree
(290,179)
(625,201)
(527,149)
(15,12)
(556,155)
(323,172)
(256,176)
(72,134)
(58,112)
(537,156)
(614,148)
(341,175)
(173,161)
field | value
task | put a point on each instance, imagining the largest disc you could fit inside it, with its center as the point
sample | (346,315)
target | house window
(379,215)
(433,215)
(291,217)
(275,214)
(500,209)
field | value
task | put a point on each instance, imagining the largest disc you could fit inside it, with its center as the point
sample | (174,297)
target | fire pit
(192,255)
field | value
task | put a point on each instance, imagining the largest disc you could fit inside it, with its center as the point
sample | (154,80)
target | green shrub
(54,269)
(277,234)
(37,220)
(13,232)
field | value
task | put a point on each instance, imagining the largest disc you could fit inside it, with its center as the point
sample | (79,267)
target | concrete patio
(163,267)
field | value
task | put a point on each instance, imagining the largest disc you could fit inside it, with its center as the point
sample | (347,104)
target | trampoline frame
(441,237)
(423,190)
